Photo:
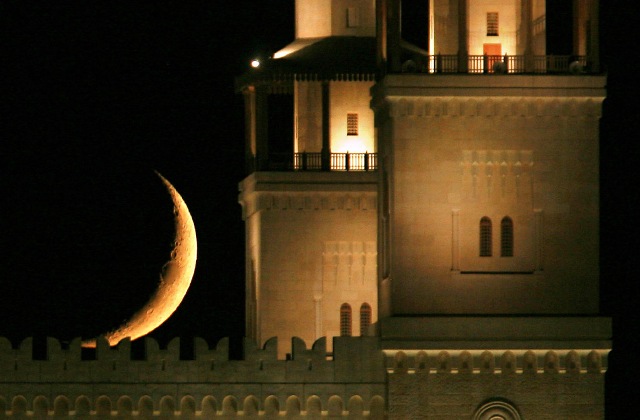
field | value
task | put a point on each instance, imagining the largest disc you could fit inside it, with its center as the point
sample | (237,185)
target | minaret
(488,214)
(310,196)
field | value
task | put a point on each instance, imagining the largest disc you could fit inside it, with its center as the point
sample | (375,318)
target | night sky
(99,94)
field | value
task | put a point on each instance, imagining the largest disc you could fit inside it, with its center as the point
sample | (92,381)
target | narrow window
(492,24)
(345,320)
(365,318)
(506,237)
(352,124)
(485,237)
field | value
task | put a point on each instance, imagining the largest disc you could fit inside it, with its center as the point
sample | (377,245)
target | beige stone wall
(345,97)
(316,234)
(444,33)
(351,97)
(454,154)
(320,18)
(508,11)
(308,116)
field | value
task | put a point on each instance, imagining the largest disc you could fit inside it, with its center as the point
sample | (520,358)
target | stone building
(432,210)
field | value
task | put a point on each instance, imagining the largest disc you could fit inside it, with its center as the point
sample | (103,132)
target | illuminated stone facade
(447,222)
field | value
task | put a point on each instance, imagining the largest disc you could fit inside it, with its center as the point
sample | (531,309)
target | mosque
(421,233)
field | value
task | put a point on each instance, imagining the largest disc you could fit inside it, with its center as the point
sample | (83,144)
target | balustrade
(313,161)
(509,64)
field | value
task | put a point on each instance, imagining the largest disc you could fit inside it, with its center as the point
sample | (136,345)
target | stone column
(249,96)
(527,29)
(261,127)
(393,36)
(594,41)
(326,121)
(463,37)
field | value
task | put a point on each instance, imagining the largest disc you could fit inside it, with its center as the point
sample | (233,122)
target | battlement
(109,380)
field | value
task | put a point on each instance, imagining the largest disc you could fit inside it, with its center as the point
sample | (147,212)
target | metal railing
(314,161)
(505,64)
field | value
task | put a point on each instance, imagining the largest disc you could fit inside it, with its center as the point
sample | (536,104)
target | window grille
(492,24)
(485,237)
(345,320)
(365,318)
(506,237)
(352,124)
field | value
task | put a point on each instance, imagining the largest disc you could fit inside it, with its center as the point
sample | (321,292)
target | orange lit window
(352,124)
(506,237)
(365,318)
(492,24)
(345,320)
(485,237)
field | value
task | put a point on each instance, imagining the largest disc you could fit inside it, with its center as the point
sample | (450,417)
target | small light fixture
(255,63)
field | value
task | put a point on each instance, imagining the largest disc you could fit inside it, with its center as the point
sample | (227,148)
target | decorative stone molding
(167,406)
(496,361)
(315,201)
(499,106)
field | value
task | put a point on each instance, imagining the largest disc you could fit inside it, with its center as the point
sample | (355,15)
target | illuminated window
(506,237)
(485,237)
(345,320)
(492,24)
(352,124)
(365,318)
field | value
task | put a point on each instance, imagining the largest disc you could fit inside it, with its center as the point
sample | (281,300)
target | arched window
(365,318)
(506,237)
(497,409)
(485,237)
(345,320)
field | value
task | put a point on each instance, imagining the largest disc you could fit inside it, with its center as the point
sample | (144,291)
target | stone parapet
(70,382)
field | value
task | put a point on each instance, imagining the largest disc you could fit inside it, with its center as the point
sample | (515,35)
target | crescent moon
(175,278)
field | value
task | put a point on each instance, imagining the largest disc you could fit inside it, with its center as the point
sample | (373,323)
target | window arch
(506,237)
(365,318)
(497,409)
(486,242)
(345,320)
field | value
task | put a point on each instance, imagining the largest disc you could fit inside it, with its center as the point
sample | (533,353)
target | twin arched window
(345,319)
(506,237)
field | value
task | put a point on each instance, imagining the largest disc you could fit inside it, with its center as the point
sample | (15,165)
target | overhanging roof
(331,58)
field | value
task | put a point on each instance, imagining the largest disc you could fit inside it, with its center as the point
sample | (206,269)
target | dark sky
(98,94)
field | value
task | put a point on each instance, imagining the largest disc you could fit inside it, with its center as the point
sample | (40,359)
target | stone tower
(309,201)
(488,208)
(445,193)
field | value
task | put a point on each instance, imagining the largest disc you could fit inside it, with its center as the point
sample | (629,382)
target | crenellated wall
(111,382)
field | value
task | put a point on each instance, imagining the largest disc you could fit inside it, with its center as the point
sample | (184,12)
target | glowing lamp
(255,63)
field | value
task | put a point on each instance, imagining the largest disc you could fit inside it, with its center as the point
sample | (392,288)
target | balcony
(499,64)
(316,161)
